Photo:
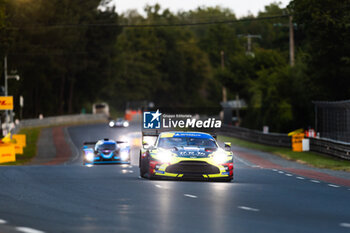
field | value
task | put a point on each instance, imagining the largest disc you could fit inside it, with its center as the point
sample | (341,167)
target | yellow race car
(185,155)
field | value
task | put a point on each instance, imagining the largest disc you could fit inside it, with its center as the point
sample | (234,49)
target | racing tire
(143,174)
(148,175)
(143,168)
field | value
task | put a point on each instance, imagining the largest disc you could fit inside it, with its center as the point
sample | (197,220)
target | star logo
(156,115)
(151,120)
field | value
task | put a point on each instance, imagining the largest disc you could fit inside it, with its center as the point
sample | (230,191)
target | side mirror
(145,145)
(227,146)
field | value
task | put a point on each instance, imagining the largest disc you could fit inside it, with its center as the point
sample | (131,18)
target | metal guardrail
(320,145)
(272,139)
(59,120)
(330,147)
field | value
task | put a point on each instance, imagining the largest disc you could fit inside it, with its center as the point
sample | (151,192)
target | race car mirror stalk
(145,145)
(227,146)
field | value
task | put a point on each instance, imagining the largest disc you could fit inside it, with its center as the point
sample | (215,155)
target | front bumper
(192,170)
(101,160)
(107,162)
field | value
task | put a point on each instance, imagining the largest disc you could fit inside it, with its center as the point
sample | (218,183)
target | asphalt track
(74,198)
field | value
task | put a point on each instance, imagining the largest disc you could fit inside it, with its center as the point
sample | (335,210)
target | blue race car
(106,151)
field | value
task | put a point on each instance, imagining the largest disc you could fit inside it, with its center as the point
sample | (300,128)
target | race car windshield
(185,141)
(107,147)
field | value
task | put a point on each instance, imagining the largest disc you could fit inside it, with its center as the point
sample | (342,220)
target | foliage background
(71,54)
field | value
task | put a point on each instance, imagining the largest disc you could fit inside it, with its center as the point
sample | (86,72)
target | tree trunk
(61,105)
(70,98)
(36,103)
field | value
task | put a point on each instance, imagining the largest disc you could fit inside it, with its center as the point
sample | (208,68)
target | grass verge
(310,158)
(32,136)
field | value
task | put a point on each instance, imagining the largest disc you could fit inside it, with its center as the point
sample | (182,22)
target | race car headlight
(111,123)
(165,156)
(220,157)
(126,124)
(89,156)
(124,155)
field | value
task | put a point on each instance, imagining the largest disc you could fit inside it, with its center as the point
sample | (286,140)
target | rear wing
(94,143)
(121,142)
(89,143)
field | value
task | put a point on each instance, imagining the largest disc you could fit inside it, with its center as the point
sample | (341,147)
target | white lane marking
(28,230)
(333,185)
(289,175)
(248,208)
(189,195)
(158,186)
(131,171)
(2,221)
(130,166)
(300,178)
(345,224)
(315,181)
(281,172)
(124,171)
(275,170)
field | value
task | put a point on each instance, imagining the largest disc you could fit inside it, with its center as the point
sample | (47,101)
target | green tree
(63,63)
(325,25)
(160,64)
